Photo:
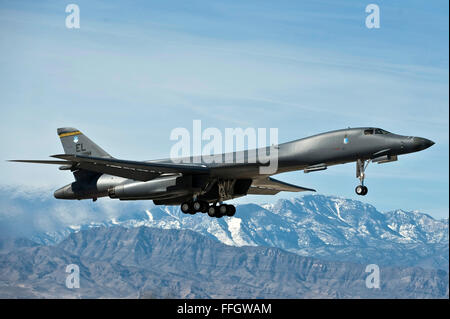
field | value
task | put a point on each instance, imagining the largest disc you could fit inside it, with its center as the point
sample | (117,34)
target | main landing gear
(214,210)
(361,166)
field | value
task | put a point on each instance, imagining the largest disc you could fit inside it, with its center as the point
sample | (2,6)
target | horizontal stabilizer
(271,186)
(42,162)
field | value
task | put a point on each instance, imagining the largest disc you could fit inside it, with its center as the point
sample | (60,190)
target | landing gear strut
(361,166)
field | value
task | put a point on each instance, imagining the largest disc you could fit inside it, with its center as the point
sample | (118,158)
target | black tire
(185,207)
(212,211)
(365,191)
(231,210)
(222,211)
(359,190)
(197,206)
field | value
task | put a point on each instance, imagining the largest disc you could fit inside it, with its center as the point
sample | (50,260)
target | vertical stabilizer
(75,142)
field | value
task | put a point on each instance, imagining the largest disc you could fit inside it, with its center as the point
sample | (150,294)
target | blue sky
(137,69)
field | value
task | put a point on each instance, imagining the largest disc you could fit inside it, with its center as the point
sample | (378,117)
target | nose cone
(421,143)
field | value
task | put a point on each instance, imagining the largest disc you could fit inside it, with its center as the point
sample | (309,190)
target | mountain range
(311,246)
(324,227)
(143,262)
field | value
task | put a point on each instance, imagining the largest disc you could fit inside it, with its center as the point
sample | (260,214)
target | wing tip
(41,162)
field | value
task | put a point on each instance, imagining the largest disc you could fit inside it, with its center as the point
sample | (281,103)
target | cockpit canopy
(371,131)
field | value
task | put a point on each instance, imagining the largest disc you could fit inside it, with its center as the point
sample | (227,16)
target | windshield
(380,131)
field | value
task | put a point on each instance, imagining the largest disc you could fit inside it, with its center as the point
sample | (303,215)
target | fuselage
(329,148)
(311,153)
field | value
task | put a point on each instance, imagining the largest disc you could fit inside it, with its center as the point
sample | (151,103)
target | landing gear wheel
(365,190)
(186,207)
(223,210)
(361,190)
(197,206)
(212,211)
(231,210)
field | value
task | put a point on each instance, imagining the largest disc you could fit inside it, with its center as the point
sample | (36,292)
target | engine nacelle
(161,187)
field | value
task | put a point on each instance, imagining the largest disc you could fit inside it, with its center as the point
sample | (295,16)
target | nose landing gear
(361,166)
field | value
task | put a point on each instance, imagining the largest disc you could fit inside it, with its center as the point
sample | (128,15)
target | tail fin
(75,142)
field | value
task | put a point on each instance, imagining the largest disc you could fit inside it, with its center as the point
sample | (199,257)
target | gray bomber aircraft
(203,187)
